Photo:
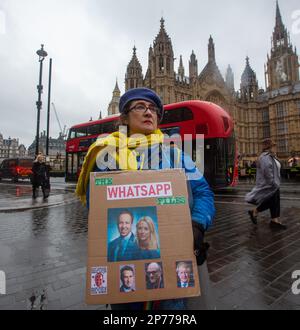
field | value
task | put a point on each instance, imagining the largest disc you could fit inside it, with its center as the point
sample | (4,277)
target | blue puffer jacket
(201,199)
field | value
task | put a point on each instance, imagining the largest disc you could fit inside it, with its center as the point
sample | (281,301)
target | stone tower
(229,79)
(160,73)
(249,84)
(134,73)
(193,64)
(113,107)
(282,65)
(181,69)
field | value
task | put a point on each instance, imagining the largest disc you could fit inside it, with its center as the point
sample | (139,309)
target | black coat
(40,175)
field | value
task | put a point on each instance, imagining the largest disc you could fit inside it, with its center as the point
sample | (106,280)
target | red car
(16,168)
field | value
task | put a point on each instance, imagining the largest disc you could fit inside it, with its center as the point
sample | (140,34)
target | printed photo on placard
(185,275)
(132,234)
(154,275)
(98,280)
(127,278)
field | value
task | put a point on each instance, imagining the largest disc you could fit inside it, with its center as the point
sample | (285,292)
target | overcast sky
(91,41)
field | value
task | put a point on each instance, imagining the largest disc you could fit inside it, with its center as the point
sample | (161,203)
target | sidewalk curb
(22,209)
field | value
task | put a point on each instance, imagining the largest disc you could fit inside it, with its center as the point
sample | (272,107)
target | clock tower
(282,66)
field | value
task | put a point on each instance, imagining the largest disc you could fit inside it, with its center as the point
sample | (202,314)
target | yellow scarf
(121,148)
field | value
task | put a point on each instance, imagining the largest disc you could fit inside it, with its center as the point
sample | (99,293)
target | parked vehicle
(16,168)
(186,118)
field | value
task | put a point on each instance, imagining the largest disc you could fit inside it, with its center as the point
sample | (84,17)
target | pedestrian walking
(266,193)
(40,176)
(141,110)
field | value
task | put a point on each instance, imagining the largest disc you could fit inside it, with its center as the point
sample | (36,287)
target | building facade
(57,150)
(258,114)
(10,148)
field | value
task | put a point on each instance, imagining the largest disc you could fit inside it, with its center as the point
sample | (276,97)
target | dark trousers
(272,203)
(44,190)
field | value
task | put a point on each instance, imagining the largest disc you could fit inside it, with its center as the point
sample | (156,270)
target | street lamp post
(42,54)
(9,144)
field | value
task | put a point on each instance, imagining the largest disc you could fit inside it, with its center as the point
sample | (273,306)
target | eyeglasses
(153,272)
(143,108)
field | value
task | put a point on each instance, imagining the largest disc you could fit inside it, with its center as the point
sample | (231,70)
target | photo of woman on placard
(147,239)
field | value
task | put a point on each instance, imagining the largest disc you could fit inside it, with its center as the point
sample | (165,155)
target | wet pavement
(44,251)
(18,197)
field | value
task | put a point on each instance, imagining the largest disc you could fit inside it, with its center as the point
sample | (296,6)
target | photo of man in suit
(185,278)
(127,278)
(124,247)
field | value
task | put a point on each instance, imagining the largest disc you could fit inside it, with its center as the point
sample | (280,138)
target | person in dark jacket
(40,176)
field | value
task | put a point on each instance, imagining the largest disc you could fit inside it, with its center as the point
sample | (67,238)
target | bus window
(80,132)
(171,130)
(177,116)
(94,130)
(108,127)
(72,134)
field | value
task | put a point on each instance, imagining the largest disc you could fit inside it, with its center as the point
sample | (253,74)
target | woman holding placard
(138,145)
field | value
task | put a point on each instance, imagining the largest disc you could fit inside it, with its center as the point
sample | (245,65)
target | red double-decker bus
(190,118)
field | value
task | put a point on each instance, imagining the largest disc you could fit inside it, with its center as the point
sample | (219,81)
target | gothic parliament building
(258,114)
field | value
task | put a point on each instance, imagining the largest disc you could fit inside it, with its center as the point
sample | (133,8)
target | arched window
(161,63)
(168,65)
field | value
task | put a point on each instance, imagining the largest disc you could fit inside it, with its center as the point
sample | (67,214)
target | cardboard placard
(124,265)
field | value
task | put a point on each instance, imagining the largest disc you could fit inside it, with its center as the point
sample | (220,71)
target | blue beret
(141,94)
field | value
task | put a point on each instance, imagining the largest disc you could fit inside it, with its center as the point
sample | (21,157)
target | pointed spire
(193,57)
(181,68)
(280,35)
(134,61)
(211,50)
(162,35)
(230,78)
(249,84)
(247,61)
(117,89)
(278,15)
(134,72)
(150,51)
(249,76)
(181,63)
(193,66)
